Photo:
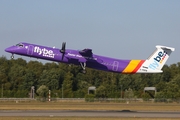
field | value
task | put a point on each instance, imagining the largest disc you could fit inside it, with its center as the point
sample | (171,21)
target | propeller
(63,49)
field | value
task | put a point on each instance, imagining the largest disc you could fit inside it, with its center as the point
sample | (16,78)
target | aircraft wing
(86,52)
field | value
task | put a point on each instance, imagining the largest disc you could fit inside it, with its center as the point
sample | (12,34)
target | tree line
(17,76)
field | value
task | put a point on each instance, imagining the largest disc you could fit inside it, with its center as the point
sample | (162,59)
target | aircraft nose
(9,49)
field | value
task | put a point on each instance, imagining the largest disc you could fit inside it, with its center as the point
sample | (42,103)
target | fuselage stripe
(138,66)
(131,66)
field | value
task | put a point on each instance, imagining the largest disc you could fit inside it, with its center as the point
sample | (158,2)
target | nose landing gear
(12,56)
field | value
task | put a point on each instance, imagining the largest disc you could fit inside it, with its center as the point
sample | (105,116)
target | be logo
(158,60)
(160,57)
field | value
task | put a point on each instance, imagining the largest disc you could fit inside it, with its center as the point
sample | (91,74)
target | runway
(88,113)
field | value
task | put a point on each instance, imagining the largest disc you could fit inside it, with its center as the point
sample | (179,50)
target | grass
(132,106)
(81,118)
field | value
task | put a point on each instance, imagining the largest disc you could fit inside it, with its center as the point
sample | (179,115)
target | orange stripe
(138,66)
(132,66)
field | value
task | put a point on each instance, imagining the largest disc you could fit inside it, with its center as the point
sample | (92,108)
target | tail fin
(157,60)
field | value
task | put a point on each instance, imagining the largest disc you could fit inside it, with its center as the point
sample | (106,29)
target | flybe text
(44,52)
(155,63)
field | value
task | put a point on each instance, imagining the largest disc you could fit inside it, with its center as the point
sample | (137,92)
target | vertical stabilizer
(157,60)
(159,57)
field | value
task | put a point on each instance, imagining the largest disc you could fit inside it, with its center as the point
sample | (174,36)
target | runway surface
(80,113)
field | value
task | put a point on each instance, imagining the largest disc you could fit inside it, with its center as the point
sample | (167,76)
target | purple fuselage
(73,57)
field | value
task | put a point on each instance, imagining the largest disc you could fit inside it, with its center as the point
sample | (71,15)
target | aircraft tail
(157,60)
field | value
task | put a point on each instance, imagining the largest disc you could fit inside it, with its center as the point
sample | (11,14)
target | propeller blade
(63,49)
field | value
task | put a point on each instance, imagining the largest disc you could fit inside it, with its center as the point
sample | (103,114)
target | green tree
(36,67)
(51,78)
(67,85)
(166,75)
(101,92)
(42,92)
(16,76)
(29,81)
(129,94)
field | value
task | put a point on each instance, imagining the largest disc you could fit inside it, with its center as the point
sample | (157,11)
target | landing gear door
(30,50)
(115,66)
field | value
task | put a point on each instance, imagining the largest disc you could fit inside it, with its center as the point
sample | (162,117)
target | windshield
(20,45)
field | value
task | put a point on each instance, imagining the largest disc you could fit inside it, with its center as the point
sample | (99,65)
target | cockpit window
(20,45)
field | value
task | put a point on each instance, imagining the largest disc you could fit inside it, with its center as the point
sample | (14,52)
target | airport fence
(17,100)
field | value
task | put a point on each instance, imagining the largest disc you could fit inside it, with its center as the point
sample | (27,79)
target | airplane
(86,58)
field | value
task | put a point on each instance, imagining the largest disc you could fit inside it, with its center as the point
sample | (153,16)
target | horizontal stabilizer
(165,47)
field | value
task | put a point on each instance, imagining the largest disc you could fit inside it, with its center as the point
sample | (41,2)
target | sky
(124,29)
